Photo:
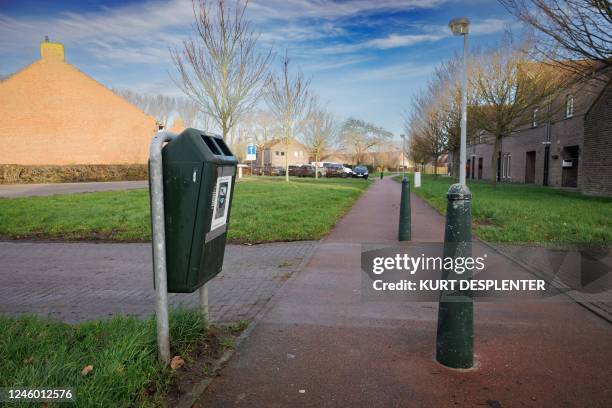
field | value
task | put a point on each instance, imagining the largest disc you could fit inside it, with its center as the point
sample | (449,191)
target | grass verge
(38,353)
(265,209)
(519,213)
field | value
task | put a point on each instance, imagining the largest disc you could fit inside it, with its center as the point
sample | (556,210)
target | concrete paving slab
(82,281)
(318,344)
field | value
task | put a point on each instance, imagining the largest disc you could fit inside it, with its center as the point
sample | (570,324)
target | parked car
(334,170)
(269,170)
(277,171)
(320,168)
(361,172)
(308,170)
(348,171)
(294,170)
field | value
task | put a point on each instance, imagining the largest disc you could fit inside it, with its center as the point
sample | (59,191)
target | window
(277,153)
(282,153)
(505,167)
(569,106)
(534,122)
(508,166)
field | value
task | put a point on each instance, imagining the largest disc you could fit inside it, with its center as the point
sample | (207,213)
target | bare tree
(448,79)
(163,107)
(359,137)
(419,152)
(507,87)
(191,114)
(157,105)
(427,128)
(287,99)
(264,128)
(571,31)
(221,69)
(318,131)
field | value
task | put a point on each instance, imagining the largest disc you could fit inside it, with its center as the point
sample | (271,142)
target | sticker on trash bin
(221,199)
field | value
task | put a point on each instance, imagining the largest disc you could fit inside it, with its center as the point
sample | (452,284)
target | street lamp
(461,26)
(455,335)
(403,155)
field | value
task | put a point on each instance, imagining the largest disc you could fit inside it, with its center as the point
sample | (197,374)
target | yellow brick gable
(54,114)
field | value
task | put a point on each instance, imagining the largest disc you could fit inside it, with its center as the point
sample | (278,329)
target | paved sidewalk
(27,190)
(319,344)
(82,281)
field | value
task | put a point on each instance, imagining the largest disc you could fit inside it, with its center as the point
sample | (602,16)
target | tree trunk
(455,169)
(494,159)
(316,166)
(263,152)
(224,131)
(286,161)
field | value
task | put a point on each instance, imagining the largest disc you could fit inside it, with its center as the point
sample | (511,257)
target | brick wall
(596,176)
(297,154)
(590,133)
(53,114)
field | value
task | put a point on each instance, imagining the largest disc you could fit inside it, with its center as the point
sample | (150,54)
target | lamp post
(404,220)
(455,335)
(403,154)
(461,26)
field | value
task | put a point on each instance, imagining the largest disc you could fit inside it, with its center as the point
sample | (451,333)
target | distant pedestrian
(382,174)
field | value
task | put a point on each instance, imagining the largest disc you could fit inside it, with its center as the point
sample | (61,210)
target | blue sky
(366,58)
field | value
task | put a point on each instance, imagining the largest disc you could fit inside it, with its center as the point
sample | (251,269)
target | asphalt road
(28,190)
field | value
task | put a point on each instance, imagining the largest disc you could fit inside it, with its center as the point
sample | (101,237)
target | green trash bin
(199,175)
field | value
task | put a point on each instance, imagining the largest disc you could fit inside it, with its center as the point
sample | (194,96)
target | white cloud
(293,9)
(395,72)
(134,33)
(489,26)
(398,40)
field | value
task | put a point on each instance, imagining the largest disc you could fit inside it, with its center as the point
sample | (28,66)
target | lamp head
(459,26)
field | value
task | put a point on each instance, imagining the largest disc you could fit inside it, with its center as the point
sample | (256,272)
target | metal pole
(463,142)
(203,291)
(158,228)
(455,334)
(404,221)
(403,155)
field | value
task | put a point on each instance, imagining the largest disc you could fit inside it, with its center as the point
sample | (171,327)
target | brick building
(274,153)
(572,149)
(54,114)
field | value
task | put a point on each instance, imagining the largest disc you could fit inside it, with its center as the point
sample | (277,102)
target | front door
(530,161)
(479,168)
(569,173)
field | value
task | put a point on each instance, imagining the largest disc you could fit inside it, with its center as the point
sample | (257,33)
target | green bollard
(404,221)
(455,337)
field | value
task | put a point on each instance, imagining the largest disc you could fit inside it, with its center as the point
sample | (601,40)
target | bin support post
(404,220)
(455,335)
(203,291)
(158,229)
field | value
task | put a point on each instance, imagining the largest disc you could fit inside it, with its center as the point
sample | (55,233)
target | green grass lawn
(39,353)
(264,209)
(518,213)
